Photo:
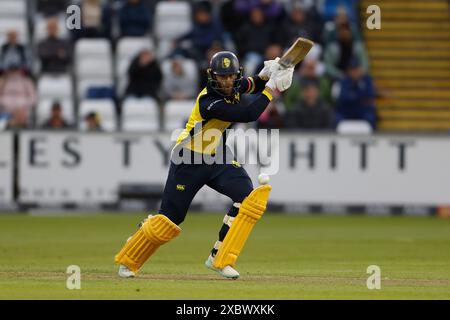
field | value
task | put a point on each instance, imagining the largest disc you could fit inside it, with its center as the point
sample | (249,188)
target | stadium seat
(128,47)
(13,8)
(176,113)
(104,108)
(55,87)
(354,127)
(93,72)
(93,48)
(140,115)
(94,68)
(84,84)
(45,106)
(93,65)
(122,75)
(164,48)
(172,19)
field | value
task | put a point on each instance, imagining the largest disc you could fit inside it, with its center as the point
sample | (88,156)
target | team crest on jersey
(236,98)
(226,62)
(181,187)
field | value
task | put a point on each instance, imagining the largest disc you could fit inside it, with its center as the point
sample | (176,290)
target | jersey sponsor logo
(181,187)
(226,62)
(212,104)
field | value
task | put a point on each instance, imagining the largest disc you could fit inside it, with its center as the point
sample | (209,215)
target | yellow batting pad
(155,231)
(250,211)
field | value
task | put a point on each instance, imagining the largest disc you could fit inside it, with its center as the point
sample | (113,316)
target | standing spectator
(253,38)
(13,53)
(310,112)
(338,53)
(178,84)
(307,72)
(17,96)
(56,120)
(204,34)
(356,98)
(55,53)
(144,75)
(135,19)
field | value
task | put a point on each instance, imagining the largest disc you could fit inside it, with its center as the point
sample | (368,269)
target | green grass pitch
(286,257)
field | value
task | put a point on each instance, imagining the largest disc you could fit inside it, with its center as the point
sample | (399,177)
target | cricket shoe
(124,272)
(227,272)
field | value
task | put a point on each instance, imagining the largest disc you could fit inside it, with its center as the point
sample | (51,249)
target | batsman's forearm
(256,108)
(237,112)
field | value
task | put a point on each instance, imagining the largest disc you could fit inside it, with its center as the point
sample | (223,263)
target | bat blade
(296,53)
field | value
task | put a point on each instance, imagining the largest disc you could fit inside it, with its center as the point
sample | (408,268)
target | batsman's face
(226,83)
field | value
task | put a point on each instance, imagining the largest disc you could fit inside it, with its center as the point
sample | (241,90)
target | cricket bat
(296,53)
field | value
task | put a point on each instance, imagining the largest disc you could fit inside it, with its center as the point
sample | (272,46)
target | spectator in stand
(272,51)
(298,24)
(17,96)
(178,84)
(307,72)
(230,18)
(253,39)
(55,54)
(96,20)
(13,53)
(92,121)
(144,76)
(135,19)
(56,120)
(204,34)
(356,98)
(341,19)
(310,113)
(17,121)
(330,8)
(339,53)
(52,7)
(272,10)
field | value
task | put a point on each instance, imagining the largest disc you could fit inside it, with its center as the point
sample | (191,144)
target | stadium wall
(316,172)
(6,168)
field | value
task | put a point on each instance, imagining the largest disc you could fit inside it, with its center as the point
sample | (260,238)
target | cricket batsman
(216,108)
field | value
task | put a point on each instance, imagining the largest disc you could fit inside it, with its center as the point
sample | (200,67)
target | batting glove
(270,66)
(283,78)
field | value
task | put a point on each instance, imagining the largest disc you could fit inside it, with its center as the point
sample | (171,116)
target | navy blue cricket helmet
(224,63)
